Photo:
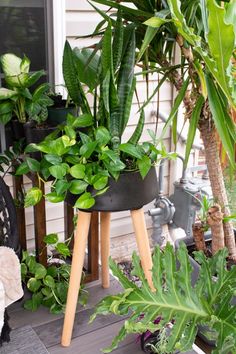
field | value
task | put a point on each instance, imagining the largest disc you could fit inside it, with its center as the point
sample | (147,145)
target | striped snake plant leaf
(71,78)
(128,105)
(134,139)
(117,44)
(176,300)
(125,80)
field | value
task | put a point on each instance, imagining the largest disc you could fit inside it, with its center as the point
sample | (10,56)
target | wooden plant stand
(80,241)
(41,230)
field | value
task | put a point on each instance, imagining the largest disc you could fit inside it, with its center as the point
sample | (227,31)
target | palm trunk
(215,221)
(198,235)
(208,135)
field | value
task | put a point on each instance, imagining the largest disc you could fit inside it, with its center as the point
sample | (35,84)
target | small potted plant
(57,113)
(19,103)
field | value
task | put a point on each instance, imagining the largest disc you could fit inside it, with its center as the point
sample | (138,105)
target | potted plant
(179,304)
(24,108)
(90,164)
(57,113)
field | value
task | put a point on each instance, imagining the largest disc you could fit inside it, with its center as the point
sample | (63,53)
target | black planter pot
(128,193)
(58,114)
(34,134)
(14,131)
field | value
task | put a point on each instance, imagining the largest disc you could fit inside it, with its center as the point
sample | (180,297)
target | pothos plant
(89,148)
(176,300)
(49,285)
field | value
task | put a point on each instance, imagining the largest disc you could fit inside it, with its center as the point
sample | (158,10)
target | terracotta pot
(128,193)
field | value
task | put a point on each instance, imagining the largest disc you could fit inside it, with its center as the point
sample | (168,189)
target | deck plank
(93,342)
(87,338)
(20,317)
(50,333)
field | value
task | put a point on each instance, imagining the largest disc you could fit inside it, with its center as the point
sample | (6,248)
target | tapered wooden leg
(105,219)
(80,242)
(142,240)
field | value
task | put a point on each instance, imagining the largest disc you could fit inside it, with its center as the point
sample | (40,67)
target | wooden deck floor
(87,338)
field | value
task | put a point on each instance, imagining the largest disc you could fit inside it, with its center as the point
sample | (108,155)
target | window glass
(23,30)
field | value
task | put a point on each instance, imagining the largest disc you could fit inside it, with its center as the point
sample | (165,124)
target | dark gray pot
(128,193)
(58,115)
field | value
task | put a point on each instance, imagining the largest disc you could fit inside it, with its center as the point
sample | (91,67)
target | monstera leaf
(176,300)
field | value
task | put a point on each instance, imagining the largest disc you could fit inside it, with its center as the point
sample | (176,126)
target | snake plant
(114,80)
(176,300)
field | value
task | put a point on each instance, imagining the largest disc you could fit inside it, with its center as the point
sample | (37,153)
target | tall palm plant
(205,32)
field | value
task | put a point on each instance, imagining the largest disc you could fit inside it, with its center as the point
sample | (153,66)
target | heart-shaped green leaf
(85,201)
(63,249)
(77,186)
(40,271)
(33,197)
(50,239)
(33,284)
(77,171)
(54,198)
(58,171)
(33,164)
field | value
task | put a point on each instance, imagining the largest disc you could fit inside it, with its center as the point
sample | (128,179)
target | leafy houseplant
(16,99)
(48,285)
(176,300)
(82,162)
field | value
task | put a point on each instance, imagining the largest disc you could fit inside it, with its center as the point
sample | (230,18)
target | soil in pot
(128,193)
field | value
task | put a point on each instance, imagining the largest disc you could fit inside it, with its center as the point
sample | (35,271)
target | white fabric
(10,280)
(2,305)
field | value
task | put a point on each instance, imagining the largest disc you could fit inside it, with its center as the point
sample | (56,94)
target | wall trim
(59,35)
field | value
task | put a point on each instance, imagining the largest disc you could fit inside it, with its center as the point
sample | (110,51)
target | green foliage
(176,300)
(84,166)
(12,157)
(205,30)
(16,99)
(87,150)
(70,73)
(49,285)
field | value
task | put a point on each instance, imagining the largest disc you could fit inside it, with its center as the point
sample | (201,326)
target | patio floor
(87,338)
